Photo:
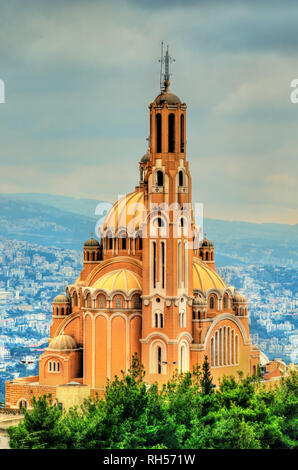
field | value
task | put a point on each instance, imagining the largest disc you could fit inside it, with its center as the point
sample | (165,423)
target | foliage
(187,412)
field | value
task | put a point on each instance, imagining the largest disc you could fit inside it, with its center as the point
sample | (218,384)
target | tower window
(171,132)
(182,133)
(211,303)
(154,264)
(158,133)
(159,178)
(163,264)
(124,243)
(110,243)
(180,178)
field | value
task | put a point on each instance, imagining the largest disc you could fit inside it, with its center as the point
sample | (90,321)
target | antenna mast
(165,61)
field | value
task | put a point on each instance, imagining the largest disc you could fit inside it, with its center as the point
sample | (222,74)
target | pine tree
(206,380)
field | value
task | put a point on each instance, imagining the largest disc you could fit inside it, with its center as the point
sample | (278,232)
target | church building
(149,286)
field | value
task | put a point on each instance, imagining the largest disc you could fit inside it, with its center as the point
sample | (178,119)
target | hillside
(62,221)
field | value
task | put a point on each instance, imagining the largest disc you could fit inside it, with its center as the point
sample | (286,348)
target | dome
(145,158)
(126,212)
(120,279)
(239,298)
(62,343)
(206,242)
(61,299)
(205,278)
(167,96)
(199,302)
(91,242)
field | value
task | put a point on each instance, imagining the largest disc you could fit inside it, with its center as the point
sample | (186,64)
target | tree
(206,380)
(42,428)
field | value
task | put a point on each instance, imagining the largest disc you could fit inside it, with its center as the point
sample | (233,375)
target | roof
(120,279)
(168,97)
(91,242)
(61,299)
(205,278)
(127,212)
(62,343)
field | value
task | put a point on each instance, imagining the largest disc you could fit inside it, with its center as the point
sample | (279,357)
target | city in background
(41,243)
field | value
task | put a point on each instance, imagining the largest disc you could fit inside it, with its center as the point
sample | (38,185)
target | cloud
(79,77)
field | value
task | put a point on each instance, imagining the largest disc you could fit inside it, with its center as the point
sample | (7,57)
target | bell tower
(167,262)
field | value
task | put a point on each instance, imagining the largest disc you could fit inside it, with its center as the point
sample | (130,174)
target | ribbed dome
(239,298)
(205,278)
(91,242)
(168,97)
(199,302)
(206,242)
(61,299)
(63,343)
(120,279)
(126,212)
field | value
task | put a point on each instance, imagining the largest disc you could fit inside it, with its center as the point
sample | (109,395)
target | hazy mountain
(67,221)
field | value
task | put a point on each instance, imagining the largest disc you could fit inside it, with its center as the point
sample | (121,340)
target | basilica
(148,286)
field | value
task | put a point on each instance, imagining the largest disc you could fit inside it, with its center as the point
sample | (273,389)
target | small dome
(199,302)
(91,242)
(206,242)
(61,299)
(167,96)
(63,343)
(239,298)
(145,158)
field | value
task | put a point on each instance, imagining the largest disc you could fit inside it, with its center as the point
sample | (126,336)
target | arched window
(163,255)
(101,302)
(75,299)
(211,303)
(171,132)
(22,404)
(236,349)
(179,263)
(118,302)
(161,320)
(93,256)
(62,311)
(216,348)
(154,264)
(87,255)
(212,352)
(159,356)
(137,302)
(158,133)
(140,241)
(110,243)
(207,256)
(182,133)
(124,243)
(180,178)
(159,178)
(224,302)
(160,222)
(183,357)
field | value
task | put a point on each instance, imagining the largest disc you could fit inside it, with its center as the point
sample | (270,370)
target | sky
(79,76)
